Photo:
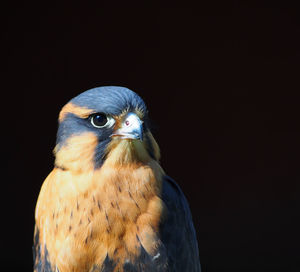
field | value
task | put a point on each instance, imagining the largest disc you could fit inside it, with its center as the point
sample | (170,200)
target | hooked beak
(131,128)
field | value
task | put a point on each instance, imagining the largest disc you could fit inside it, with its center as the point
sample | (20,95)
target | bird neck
(79,153)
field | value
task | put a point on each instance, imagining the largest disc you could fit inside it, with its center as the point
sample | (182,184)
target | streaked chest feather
(110,214)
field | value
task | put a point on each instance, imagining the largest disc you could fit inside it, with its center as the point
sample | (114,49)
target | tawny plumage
(108,205)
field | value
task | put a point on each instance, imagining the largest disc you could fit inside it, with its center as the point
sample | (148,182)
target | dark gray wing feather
(40,263)
(177,230)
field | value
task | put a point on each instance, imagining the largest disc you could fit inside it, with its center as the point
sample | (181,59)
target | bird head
(104,125)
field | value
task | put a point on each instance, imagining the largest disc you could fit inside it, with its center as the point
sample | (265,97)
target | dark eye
(100,120)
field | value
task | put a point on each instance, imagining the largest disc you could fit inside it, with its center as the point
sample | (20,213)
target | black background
(221,81)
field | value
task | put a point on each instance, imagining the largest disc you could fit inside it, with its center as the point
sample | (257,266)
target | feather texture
(108,205)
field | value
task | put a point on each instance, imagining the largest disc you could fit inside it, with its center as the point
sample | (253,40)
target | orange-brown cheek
(78,152)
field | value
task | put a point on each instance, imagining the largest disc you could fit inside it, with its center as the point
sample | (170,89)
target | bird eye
(100,120)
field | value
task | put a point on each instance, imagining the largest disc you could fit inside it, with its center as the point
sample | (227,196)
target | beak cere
(131,128)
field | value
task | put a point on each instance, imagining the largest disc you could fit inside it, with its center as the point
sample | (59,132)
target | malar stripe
(71,108)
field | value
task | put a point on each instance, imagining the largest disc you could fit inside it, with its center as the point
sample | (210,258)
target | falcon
(108,205)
